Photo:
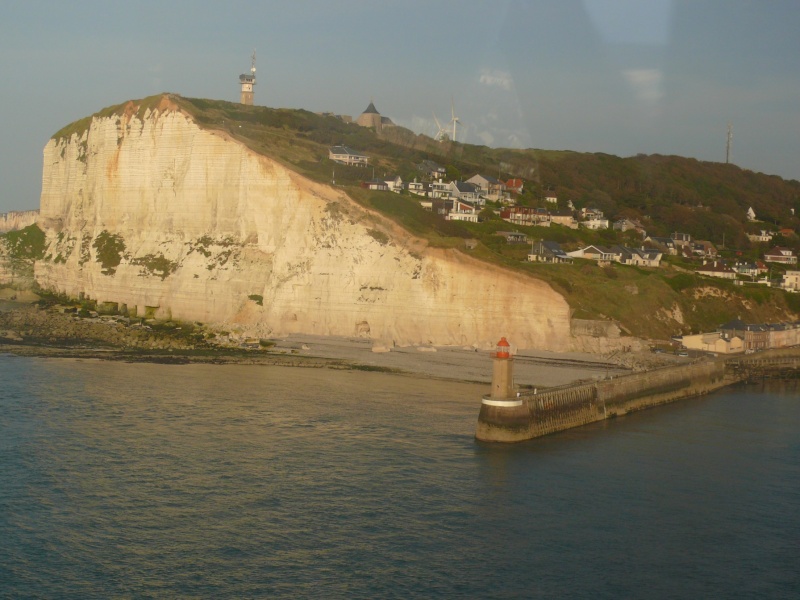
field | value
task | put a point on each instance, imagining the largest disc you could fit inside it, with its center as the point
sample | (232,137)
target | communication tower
(247,82)
(729,145)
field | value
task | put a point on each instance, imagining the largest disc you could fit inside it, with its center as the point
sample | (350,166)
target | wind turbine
(454,119)
(441,134)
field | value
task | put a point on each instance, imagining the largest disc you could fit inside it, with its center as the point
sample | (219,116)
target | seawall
(557,409)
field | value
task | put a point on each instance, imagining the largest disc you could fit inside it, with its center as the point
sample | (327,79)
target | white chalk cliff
(175,221)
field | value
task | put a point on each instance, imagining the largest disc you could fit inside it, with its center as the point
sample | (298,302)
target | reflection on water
(225,481)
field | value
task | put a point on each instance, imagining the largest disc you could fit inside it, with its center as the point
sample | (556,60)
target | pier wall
(570,406)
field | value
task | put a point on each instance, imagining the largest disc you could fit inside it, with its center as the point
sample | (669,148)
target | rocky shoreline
(65,331)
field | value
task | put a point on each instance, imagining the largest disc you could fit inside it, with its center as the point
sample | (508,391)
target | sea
(123,480)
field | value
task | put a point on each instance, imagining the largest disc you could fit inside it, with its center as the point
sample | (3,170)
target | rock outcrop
(17,219)
(167,219)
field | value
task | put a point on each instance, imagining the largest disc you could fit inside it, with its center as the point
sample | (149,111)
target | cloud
(646,83)
(501,79)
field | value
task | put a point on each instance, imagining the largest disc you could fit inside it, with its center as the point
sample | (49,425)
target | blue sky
(615,76)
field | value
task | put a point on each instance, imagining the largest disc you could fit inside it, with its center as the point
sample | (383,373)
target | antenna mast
(729,145)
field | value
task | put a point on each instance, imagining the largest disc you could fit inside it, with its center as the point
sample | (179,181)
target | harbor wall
(557,409)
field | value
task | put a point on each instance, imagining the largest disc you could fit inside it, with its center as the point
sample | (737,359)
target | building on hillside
(704,248)
(628,224)
(717,269)
(375,184)
(638,257)
(347,156)
(431,169)
(763,236)
(372,118)
(664,244)
(462,211)
(490,188)
(563,217)
(600,254)
(419,188)
(247,82)
(550,198)
(595,224)
(526,216)
(515,186)
(395,184)
(751,214)
(513,237)
(548,252)
(681,239)
(439,189)
(464,190)
(780,255)
(753,270)
(791,281)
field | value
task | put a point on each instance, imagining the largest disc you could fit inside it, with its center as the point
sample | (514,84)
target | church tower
(247,82)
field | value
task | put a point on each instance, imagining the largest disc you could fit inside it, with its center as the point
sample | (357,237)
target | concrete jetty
(508,415)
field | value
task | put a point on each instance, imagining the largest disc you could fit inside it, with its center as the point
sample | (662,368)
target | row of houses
(738,336)
(551,252)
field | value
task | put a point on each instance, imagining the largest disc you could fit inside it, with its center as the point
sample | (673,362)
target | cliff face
(171,220)
(18,219)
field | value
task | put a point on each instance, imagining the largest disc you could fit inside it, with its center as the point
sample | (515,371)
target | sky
(621,77)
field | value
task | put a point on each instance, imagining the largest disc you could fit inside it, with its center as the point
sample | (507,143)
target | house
(786,232)
(489,187)
(548,252)
(595,224)
(751,269)
(464,190)
(551,198)
(784,335)
(514,186)
(638,257)
(462,211)
(601,254)
(526,216)
(419,188)
(664,243)
(791,281)
(375,184)
(681,239)
(780,255)
(439,189)
(431,169)
(703,248)
(755,337)
(628,224)
(591,213)
(347,156)
(712,342)
(717,269)
(513,237)
(395,184)
(764,236)
(563,217)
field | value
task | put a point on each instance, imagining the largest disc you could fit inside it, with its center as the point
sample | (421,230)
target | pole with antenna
(729,145)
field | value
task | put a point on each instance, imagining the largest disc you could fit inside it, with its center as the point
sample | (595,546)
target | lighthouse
(504,416)
(503,372)
(247,82)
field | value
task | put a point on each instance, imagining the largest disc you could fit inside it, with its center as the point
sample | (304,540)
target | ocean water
(155,481)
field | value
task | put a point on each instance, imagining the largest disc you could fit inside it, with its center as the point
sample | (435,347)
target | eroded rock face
(170,220)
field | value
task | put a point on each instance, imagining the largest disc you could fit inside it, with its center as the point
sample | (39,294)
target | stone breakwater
(557,409)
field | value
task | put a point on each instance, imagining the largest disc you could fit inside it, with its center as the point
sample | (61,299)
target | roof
(345,150)
(371,109)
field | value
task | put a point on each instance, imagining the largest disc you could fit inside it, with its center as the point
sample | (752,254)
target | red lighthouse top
(503,348)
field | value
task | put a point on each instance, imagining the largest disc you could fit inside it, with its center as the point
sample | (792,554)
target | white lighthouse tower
(247,82)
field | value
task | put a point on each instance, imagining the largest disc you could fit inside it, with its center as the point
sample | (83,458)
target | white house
(347,156)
